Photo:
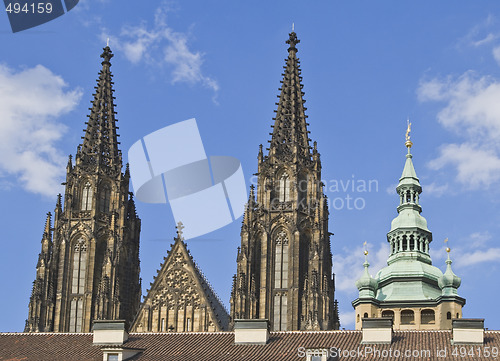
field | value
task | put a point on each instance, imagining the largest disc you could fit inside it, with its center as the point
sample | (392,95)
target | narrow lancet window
(284,189)
(104,199)
(87,194)
(281,281)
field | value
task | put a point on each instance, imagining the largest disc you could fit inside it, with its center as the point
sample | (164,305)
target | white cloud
(477,257)
(348,265)
(160,45)
(391,189)
(436,190)
(496,54)
(475,251)
(472,111)
(476,167)
(31,100)
(480,34)
(486,40)
(479,239)
(347,319)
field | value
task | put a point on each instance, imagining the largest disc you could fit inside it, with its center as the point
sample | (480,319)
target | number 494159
(39,8)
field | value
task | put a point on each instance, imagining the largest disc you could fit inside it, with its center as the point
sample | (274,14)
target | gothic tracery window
(281,261)
(79,267)
(280,281)
(284,188)
(87,194)
(78,285)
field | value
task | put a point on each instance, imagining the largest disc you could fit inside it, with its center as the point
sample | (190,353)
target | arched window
(280,281)
(281,261)
(78,285)
(280,311)
(79,267)
(388,314)
(76,315)
(284,188)
(427,317)
(412,243)
(407,317)
(448,316)
(104,198)
(87,194)
(365,315)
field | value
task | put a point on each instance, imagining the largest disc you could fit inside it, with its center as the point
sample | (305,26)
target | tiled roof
(219,346)
(48,347)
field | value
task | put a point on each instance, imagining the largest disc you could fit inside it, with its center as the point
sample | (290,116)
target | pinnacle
(290,127)
(100,145)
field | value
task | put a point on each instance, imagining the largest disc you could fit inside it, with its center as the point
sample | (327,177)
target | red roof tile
(219,346)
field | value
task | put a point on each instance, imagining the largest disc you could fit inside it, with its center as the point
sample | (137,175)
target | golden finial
(408,142)
(366,251)
(447,248)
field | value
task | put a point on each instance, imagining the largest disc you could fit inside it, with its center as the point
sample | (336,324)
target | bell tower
(284,264)
(88,267)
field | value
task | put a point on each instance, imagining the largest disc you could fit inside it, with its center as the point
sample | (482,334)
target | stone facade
(284,265)
(88,268)
(180,298)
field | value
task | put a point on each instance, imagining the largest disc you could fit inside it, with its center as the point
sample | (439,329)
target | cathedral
(86,296)
(88,268)
(284,264)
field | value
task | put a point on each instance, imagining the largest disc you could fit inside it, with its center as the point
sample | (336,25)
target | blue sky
(367,66)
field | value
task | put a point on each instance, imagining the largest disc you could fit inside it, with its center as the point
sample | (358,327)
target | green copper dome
(449,281)
(366,285)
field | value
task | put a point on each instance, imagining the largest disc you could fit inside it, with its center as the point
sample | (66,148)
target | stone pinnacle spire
(100,144)
(290,134)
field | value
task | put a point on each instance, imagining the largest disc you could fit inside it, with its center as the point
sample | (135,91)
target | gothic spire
(100,144)
(290,134)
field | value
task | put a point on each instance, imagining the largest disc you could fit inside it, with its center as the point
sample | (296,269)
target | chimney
(110,332)
(468,331)
(251,332)
(377,330)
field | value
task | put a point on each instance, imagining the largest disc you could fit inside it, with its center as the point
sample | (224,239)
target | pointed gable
(180,298)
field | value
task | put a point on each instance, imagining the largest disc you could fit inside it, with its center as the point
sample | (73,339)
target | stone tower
(88,267)
(416,294)
(180,298)
(284,265)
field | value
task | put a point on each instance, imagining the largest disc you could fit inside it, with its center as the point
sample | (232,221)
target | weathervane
(408,142)
(447,248)
(365,251)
